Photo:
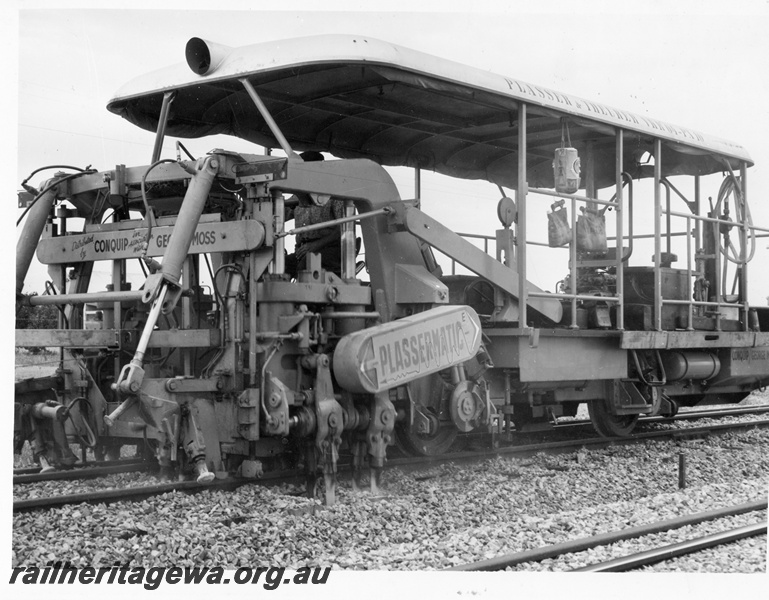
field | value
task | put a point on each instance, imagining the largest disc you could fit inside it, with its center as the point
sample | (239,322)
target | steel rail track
(704,413)
(142,492)
(718,413)
(86,472)
(137,493)
(100,468)
(86,465)
(663,553)
(603,539)
(566,445)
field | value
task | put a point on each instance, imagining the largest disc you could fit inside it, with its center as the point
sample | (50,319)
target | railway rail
(81,465)
(572,546)
(663,553)
(685,416)
(406,463)
(85,471)
(128,465)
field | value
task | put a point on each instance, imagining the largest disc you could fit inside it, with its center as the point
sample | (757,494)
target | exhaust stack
(204,57)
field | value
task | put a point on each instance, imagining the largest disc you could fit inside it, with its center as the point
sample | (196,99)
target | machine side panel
(559,358)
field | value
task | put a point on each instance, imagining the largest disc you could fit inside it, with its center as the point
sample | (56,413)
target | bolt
(172,385)
(467,406)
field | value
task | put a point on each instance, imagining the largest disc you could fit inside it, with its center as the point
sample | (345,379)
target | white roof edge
(275,55)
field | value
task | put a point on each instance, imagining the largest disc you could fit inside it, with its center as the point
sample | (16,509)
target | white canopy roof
(360,97)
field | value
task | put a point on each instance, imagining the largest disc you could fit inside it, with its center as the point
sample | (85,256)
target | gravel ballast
(425,521)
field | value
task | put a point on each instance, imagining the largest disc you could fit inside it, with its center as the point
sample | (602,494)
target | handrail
(572,196)
(87,298)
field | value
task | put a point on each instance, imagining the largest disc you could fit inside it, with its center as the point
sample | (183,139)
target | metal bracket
(330,423)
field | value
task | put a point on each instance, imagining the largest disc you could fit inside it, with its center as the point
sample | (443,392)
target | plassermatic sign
(380,358)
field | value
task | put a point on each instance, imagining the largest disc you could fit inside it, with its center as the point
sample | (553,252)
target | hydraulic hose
(49,187)
(150,216)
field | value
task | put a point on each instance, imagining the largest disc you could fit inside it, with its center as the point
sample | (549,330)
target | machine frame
(269,369)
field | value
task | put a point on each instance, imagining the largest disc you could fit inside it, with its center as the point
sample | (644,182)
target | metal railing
(573,296)
(719,292)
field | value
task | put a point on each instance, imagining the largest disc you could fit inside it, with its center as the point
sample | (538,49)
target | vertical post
(589,169)
(689,273)
(716,285)
(253,319)
(697,222)
(508,404)
(698,242)
(348,242)
(521,191)
(187,311)
(668,217)
(573,264)
(681,471)
(117,286)
(418,187)
(745,234)
(278,218)
(619,155)
(657,233)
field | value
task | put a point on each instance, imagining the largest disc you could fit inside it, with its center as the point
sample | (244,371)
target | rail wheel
(608,425)
(431,395)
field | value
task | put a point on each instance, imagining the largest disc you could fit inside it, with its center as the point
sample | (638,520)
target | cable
(90,442)
(147,210)
(231,267)
(187,152)
(36,171)
(219,299)
(48,188)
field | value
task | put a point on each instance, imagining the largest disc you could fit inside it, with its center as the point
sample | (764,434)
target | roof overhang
(358,97)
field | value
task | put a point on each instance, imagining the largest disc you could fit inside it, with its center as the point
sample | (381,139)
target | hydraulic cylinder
(30,234)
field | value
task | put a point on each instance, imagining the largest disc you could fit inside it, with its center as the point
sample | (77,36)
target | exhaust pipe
(204,57)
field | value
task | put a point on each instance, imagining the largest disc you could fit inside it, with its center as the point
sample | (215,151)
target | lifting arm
(162,288)
(455,246)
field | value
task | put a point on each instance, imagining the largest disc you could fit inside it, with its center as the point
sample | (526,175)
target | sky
(702,65)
